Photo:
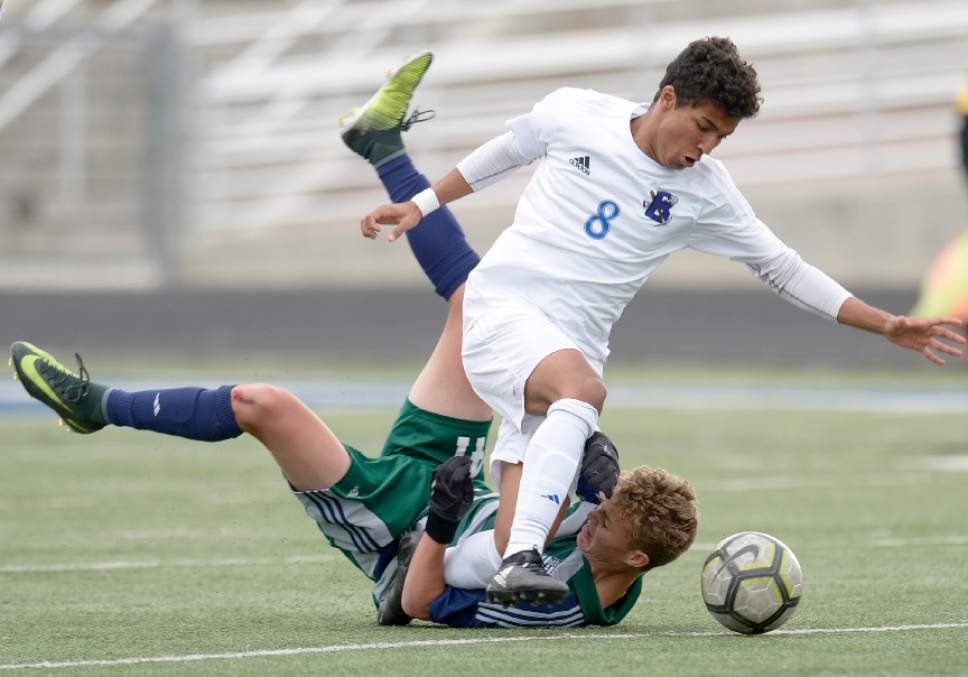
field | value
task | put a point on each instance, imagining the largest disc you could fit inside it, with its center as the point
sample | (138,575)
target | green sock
(377,147)
(91,406)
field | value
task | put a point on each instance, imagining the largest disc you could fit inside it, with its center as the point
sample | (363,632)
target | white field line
(781,483)
(935,540)
(120,565)
(956,463)
(115,565)
(705,548)
(378,646)
(738,485)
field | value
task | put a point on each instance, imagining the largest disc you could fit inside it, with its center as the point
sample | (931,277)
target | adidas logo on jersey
(584,164)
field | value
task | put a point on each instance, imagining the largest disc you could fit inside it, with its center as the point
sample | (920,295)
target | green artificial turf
(133,545)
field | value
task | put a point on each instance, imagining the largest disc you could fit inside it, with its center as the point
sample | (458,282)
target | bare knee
(256,403)
(563,375)
(591,390)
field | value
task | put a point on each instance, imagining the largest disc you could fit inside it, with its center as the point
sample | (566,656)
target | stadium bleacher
(219,154)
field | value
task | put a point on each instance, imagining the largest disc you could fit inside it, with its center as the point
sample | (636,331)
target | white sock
(550,463)
(473,563)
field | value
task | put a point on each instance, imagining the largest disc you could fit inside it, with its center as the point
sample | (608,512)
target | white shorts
(511,444)
(503,343)
(500,350)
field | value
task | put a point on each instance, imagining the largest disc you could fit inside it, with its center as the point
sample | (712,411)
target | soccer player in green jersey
(600,552)
(375,509)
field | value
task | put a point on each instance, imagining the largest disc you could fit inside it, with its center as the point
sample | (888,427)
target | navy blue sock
(438,241)
(193,413)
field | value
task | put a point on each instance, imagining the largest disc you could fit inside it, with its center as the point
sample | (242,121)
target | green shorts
(380,498)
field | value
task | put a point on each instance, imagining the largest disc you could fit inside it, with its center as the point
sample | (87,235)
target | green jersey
(563,560)
(382,497)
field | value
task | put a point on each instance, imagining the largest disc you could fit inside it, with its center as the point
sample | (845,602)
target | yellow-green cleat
(373,129)
(72,396)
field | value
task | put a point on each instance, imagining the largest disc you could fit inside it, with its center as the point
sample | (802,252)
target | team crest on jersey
(660,208)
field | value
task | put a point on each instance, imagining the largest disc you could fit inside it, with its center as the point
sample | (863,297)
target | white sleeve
(473,562)
(492,162)
(526,140)
(796,281)
(731,229)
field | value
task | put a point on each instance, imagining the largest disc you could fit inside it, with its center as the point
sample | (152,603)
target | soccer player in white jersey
(621,186)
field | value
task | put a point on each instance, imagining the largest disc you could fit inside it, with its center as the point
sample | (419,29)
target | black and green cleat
(373,129)
(390,610)
(78,401)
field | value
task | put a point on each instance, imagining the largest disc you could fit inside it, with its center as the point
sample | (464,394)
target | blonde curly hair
(660,509)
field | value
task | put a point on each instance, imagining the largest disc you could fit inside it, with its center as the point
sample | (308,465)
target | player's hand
(452,491)
(599,468)
(451,496)
(924,334)
(404,215)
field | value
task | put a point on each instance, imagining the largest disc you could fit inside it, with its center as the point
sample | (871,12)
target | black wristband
(440,529)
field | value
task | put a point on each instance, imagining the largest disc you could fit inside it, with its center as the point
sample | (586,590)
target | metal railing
(853,91)
(88,127)
(248,143)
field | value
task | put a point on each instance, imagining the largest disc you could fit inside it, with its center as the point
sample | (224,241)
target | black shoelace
(416,117)
(75,391)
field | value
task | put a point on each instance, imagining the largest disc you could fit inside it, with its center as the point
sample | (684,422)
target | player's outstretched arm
(920,334)
(406,215)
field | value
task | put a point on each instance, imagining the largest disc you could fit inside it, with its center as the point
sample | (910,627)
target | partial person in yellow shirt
(963,109)
(945,287)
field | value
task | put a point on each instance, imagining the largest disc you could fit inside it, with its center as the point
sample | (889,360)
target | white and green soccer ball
(752,582)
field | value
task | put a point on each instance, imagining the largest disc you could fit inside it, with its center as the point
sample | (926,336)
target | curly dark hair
(711,71)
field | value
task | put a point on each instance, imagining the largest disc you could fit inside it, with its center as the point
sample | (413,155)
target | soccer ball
(752,582)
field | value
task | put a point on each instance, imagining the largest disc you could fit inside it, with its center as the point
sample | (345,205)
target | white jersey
(599,216)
